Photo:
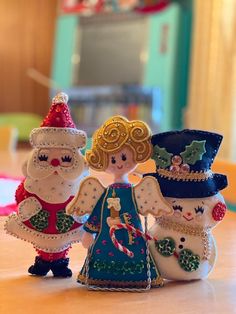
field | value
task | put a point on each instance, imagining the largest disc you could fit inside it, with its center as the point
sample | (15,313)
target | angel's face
(200,211)
(121,163)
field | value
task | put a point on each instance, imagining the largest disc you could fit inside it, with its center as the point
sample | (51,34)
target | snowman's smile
(188,219)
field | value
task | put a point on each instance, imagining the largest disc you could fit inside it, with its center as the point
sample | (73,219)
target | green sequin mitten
(165,247)
(40,220)
(64,222)
(188,261)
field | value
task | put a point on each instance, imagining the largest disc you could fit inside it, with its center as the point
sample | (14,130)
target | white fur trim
(58,137)
(50,243)
(28,208)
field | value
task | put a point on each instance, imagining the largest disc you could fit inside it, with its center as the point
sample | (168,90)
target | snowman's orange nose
(55,162)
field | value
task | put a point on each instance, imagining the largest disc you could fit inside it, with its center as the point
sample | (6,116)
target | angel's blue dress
(106,265)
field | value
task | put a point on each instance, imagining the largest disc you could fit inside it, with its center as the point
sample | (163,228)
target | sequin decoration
(188,261)
(59,114)
(165,247)
(118,267)
(64,222)
(40,220)
(113,135)
(219,211)
(193,152)
(162,157)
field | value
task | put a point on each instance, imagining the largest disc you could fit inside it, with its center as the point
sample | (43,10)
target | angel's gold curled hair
(115,134)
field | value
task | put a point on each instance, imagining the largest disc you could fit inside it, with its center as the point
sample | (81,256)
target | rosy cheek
(177,214)
(219,211)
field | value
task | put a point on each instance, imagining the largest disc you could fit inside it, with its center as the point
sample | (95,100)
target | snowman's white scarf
(197,231)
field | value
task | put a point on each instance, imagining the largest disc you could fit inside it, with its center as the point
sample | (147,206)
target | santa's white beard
(53,189)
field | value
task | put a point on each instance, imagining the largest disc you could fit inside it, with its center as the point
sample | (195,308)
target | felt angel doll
(185,248)
(53,172)
(118,257)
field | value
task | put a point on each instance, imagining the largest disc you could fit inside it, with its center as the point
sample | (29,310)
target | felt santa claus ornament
(53,172)
(185,248)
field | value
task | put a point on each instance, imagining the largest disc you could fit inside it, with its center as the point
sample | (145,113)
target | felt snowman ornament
(53,172)
(185,248)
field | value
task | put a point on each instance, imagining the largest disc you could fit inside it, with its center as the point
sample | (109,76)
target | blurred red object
(81,6)
(153,7)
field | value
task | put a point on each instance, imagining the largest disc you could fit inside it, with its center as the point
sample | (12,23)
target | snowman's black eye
(113,160)
(178,207)
(199,209)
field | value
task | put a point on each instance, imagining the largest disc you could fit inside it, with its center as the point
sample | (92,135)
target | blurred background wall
(212,89)
(26,41)
(189,63)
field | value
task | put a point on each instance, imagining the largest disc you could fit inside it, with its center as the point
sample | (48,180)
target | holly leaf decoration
(193,152)
(161,157)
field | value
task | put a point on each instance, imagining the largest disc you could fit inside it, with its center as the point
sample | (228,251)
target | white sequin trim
(57,137)
(50,243)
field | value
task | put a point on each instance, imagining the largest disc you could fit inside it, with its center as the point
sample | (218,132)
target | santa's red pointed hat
(58,128)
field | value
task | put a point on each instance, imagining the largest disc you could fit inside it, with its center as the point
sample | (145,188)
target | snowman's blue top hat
(183,163)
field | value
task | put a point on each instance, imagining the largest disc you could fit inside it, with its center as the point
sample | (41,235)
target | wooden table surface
(22,293)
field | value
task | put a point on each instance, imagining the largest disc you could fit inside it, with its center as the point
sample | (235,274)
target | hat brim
(191,189)
(57,137)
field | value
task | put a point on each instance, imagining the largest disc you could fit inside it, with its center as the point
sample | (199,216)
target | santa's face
(204,212)
(44,162)
(54,174)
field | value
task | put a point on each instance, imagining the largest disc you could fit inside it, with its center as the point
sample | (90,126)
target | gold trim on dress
(92,227)
(158,282)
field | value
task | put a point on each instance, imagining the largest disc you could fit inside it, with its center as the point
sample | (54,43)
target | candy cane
(130,228)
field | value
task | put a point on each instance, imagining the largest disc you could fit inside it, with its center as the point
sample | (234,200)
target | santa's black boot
(60,268)
(40,267)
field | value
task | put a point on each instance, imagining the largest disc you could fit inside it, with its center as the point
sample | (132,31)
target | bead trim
(60,98)
(204,233)
(50,243)
(57,137)
(158,282)
(190,176)
(120,185)
(92,227)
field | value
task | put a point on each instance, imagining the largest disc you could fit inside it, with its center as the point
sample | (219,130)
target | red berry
(176,160)
(174,169)
(184,168)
